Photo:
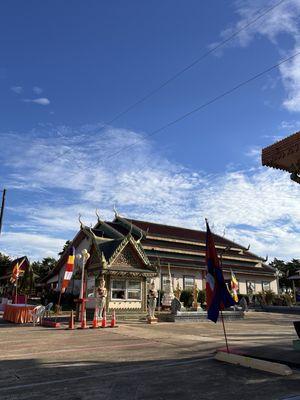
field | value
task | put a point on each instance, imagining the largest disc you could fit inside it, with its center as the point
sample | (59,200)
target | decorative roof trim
(198,253)
(129,239)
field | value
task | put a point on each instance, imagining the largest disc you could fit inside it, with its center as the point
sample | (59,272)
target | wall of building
(139,305)
(179,274)
(178,277)
(243,280)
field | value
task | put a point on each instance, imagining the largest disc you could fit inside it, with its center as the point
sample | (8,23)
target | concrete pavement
(138,361)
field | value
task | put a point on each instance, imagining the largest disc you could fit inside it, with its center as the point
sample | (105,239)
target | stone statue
(101,294)
(152,295)
(169,293)
(175,306)
(250,290)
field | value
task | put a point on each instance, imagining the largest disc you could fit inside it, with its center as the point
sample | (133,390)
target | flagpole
(225,335)
(222,318)
(16,294)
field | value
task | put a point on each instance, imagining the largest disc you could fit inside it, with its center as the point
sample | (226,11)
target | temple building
(130,253)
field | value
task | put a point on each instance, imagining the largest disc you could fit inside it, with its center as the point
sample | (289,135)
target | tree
(26,281)
(42,268)
(5,262)
(66,245)
(285,270)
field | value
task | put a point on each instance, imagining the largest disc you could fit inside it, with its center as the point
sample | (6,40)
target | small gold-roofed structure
(284,155)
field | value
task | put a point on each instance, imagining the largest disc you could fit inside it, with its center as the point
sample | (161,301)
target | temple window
(265,285)
(126,290)
(188,282)
(250,285)
(133,290)
(118,290)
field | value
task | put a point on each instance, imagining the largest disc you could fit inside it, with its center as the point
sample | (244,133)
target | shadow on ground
(191,378)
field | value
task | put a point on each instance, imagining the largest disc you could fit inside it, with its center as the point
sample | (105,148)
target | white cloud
(43,101)
(281,21)
(35,246)
(17,89)
(37,90)
(73,172)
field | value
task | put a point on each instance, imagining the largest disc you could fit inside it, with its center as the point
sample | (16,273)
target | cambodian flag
(217,294)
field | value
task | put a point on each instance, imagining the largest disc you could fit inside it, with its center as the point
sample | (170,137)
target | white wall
(178,275)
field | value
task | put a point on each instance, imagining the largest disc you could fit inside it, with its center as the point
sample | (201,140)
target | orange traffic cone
(71,321)
(95,320)
(103,323)
(83,321)
(113,320)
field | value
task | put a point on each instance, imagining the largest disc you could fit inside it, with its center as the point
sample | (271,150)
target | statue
(177,292)
(169,293)
(250,291)
(101,294)
(175,306)
(195,296)
(152,295)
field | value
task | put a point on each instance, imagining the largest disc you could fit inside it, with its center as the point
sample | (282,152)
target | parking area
(139,361)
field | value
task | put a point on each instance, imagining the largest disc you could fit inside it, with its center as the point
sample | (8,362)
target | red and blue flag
(217,294)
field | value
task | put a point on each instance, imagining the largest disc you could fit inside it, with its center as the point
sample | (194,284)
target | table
(18,313)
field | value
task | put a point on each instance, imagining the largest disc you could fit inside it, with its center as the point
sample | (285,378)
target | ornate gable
(127,258)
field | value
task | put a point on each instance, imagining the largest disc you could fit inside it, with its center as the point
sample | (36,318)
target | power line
(260,13)
(199,108)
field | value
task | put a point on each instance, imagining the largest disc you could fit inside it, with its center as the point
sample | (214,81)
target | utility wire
(260,13)
(199,108)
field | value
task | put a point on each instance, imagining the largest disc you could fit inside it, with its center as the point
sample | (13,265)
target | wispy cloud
(33,245)
(43,101)
(17,89)
(37,90)
(72,173)
(283,20)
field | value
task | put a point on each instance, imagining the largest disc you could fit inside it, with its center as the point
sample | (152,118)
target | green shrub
(287,299)
(245,296)
(187,298)
(278,300)
(270,297)
(261,298)
(201,297)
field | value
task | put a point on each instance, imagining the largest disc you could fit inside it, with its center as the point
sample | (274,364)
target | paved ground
(137,361)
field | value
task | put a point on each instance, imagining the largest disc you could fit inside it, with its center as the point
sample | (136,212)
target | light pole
(84,256)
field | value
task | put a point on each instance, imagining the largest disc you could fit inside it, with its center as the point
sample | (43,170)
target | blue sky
(66,69)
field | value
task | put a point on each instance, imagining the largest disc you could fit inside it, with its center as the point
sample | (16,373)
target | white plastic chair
(47,310)
(37,314)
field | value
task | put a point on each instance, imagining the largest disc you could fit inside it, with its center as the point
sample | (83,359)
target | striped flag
(15,273)
(68,270)
(234,287)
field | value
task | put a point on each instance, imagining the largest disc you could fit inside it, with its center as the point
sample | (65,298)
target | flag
(15,273)
(234,287)
(68,270)
(217,294)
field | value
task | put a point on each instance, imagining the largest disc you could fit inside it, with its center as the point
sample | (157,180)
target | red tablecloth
(18,313)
